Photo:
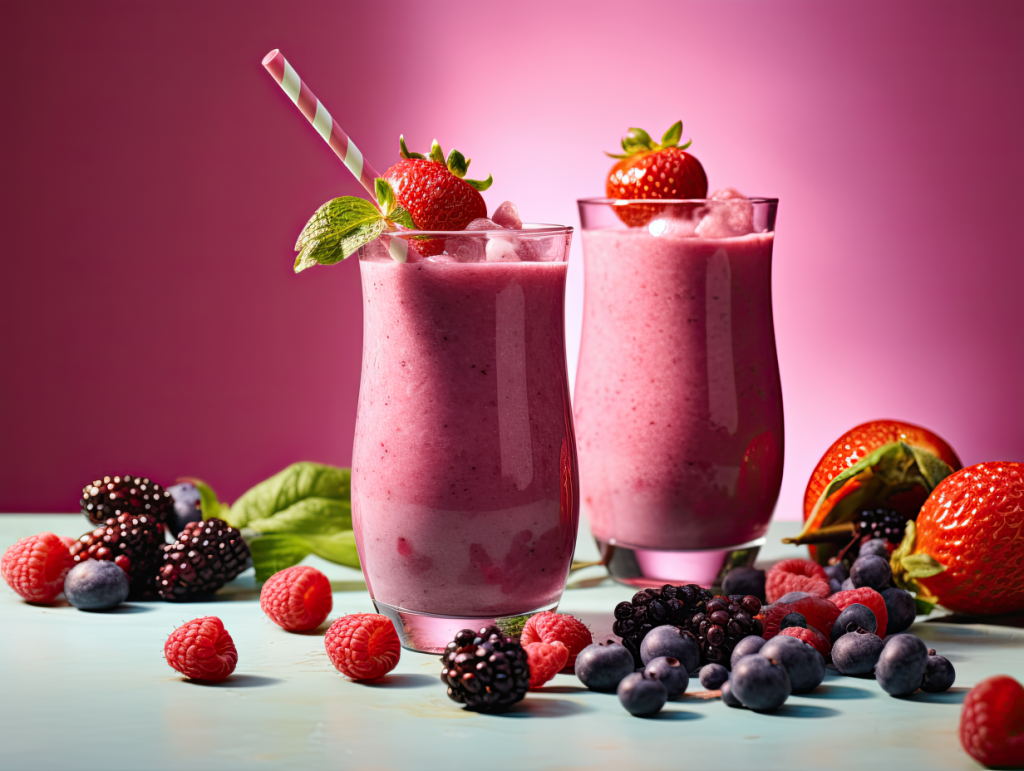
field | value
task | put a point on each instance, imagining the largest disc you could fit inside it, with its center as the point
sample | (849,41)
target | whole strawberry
(966,549)
(435,192)
(992,723)
(654,170)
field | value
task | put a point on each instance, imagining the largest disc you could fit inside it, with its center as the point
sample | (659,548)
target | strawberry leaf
(924,607)
(457,164)
(922,566)
(476,184)
(336,230)
(436,153)
(401,216)
(637,141)
(404,151)
(673,135)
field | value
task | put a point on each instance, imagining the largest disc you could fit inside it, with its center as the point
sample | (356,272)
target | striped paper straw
(322,121)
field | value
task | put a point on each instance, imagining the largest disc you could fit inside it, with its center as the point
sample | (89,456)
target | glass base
(643,567)
(429,633)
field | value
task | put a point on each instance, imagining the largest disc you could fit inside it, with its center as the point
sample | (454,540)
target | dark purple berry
(857,653)
(938,674)
(901,667)
(642,696)
(760,683)
(671,673)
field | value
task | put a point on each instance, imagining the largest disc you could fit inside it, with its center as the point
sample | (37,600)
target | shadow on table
(239,681)
(565,689)
(675,714)
(403,681)
(954,695)
(539,707)
(1015,620)
(124,609)
(802,710)
(831,691)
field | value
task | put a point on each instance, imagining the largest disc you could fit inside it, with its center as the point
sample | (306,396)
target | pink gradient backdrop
(155,178)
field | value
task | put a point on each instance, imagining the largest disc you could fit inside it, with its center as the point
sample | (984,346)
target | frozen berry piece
(35,567)
(900,608)
(746,647)
(96,585)
(297,598)
(939,674)
(745,581)
(857,653)
(992,722)
(202,649)
(187,507)
(852,618)
(792,619)
(562,627)
(546,660)
(641,696)
(811,636)
(713,675)
(671,673)
(901,667)
(760,683)
(363,646)
(868,597)
(729,698)
(670,641)
(871,571)
(601,666)
(804,665)
(507,216)
(875,547)
(796,575)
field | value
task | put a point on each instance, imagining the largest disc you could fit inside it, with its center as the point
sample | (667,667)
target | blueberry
(834,586)
(901,667)
(876,547)
(854,617)
(671,673)
(601,666)
(847,585)
(744,581)
(186,506)
(673,642)
(745,647)
(837,571)
(713,675)
(938,674)
(96,585)
(871,571)
(857,653)
(791,597)
(760,683)
(792,619)
(804,665)
(642,696)
(899,604)
(728,697)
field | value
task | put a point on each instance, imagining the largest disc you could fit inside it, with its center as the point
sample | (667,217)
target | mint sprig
(339,227)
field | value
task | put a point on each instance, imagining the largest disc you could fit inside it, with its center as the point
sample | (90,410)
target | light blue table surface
(92,691)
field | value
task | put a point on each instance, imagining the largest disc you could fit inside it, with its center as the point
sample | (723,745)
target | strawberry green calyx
(456,163)
(907,566)
(637,141)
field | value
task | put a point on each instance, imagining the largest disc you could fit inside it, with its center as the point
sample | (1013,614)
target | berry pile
(132,542)
(880,522)
(485,670)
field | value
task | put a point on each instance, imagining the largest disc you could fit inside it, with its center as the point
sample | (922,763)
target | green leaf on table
(273,497)
(336,230)
(209,504)
(277,551)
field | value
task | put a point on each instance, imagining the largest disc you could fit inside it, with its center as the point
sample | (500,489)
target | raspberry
(867,597)
(363,646)
(546,660)
(566,629)
(820,614)
(202,649)
(992,722)
(35,567)
(297,599)
(811,636)
(796,575)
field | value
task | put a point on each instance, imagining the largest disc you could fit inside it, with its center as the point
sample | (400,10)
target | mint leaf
(274,552)
(273,497)
(336,230)
(385,195)
(401,215)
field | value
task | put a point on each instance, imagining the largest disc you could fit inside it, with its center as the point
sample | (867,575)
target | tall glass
(464,474)
(678,401)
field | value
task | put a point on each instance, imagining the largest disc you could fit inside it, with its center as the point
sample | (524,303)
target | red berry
(202,649)
(546,660)
(566,629)
(297,599)
(811,636)
(820,614)
(35,567)
(867,597)
(992,722)
(796,575)
(363,646)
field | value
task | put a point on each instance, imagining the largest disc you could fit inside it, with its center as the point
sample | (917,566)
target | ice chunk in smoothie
(729,214)
(463,249)
(507,216)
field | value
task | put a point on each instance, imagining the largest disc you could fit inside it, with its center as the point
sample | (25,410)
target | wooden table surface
(92,691)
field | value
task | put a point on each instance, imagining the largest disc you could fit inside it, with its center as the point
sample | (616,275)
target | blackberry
(651,608)
(485,670)
(880,523)
(113,496)
(723,623)
(205,556)
(131,541)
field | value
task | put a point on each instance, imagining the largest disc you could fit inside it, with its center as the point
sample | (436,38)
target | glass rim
(658,201)
(528,229)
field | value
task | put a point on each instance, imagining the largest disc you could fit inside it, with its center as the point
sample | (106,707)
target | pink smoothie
(464,486)
(678,402)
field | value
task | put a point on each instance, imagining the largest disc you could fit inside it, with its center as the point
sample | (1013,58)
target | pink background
(154,179)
